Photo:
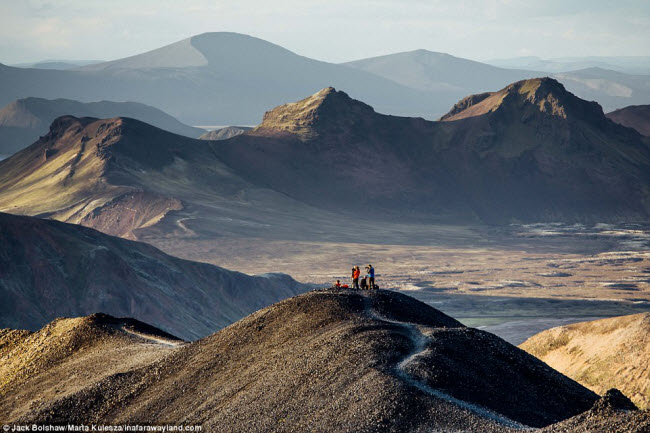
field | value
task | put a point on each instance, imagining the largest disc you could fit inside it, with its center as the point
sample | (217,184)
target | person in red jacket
(355,277)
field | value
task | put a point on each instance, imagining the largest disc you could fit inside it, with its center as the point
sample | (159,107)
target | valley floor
(513,281)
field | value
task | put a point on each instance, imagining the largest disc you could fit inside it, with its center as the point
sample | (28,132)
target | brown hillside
(69,355)
(603,354)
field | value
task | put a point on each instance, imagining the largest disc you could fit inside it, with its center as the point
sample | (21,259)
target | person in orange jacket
(355,277)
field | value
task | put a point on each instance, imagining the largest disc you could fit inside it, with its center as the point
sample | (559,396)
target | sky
(330,30)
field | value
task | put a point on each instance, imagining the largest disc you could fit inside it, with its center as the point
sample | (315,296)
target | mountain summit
(325,361)
(531,152)
(327,111)
(545,95)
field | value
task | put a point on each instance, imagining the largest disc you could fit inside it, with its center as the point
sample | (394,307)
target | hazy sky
(331,30)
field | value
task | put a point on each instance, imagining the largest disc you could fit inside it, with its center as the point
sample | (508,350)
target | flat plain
(514,281)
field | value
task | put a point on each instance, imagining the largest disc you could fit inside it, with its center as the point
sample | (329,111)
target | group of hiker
(367,282)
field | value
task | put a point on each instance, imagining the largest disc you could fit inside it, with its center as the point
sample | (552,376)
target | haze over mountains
(323,181)
(56,64)
(430,71)
(227,77)
(50,269)
(23,121)
(233,79)
(628,64)
(530,152)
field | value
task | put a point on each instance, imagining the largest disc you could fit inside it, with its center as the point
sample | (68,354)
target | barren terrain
(514,282)
(601,354)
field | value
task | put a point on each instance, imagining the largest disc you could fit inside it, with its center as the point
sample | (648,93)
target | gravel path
(420,347)
(151,338)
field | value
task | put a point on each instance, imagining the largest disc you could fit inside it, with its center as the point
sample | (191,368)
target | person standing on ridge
(355,277)
(371,276)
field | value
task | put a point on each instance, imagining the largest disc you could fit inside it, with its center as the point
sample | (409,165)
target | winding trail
(180,223)
(420,346)
(151,339)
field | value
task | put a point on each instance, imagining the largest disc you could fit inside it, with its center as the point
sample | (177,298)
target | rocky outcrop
(325,112)
(465,103)
(530,152)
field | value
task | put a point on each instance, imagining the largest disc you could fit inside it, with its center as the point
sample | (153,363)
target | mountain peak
(544,95)
(328,108)
(414,366)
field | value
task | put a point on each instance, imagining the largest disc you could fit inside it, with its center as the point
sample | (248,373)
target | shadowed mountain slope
(601,354)
(636,117)
(24,120)
(50,269)
(327,361)
(126,178)
(530,152)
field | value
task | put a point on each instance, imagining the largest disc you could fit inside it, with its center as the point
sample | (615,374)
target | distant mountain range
(530,152)
(324,361)
(24,120)
(56,64)
(232,79)
(50,269)
(224,77)
(639,65)
(430,71)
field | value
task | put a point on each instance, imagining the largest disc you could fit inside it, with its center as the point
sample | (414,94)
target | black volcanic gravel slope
(333,361)
(613,413)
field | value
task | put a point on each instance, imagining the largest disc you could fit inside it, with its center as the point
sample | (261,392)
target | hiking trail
(151,338)
(420,346)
